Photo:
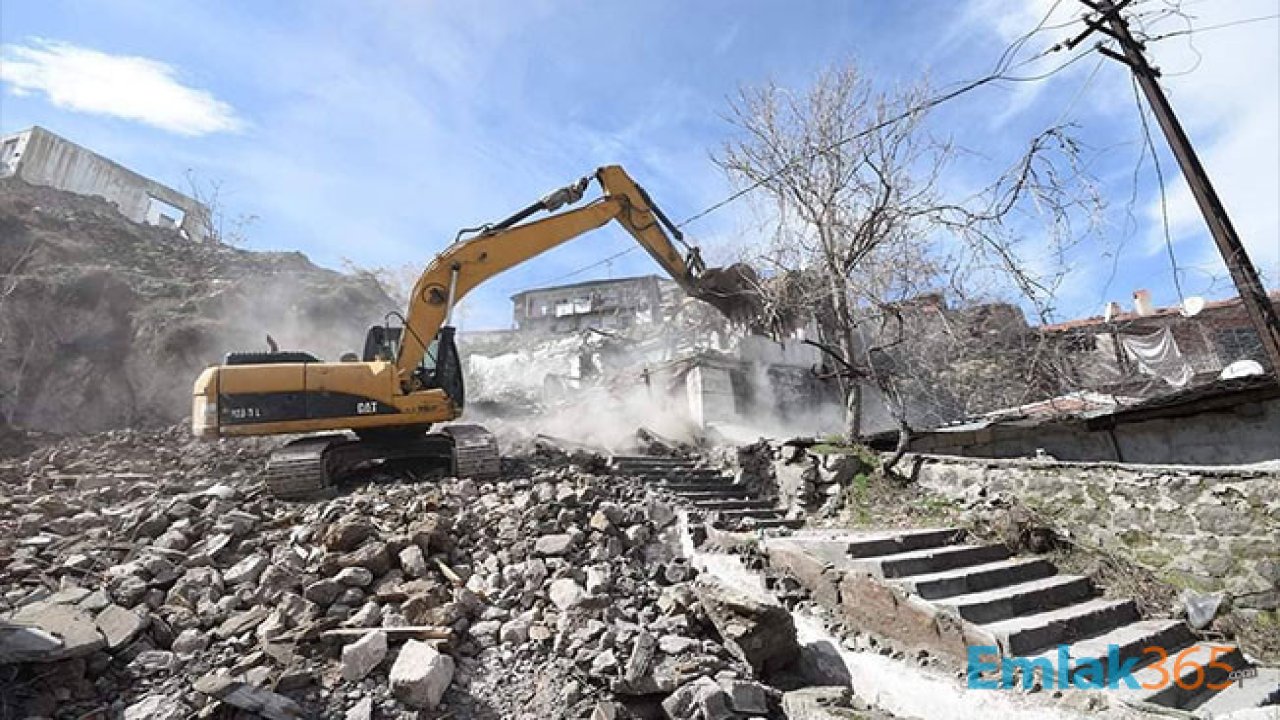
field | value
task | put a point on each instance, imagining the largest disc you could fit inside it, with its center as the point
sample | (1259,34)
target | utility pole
(1252,293)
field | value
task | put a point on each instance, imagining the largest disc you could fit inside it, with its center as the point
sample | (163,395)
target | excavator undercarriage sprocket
(310,467)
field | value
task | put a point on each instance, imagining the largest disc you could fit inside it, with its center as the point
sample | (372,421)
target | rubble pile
(146,575)
(106,321)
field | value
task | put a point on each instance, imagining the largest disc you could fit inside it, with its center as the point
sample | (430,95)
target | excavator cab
(440,367)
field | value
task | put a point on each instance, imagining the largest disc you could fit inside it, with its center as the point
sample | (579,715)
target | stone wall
(1213,529)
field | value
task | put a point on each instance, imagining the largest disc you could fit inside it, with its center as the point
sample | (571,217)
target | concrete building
(40,157)
(596,304)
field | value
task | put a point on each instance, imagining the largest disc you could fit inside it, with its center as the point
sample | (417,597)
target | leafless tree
(863,227)
(215,221)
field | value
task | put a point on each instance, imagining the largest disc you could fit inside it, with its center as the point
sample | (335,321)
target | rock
(362,710)
(748,698)
(412,562)
(676,644)
(420,675)
(75,629)
(701,699)
(156,707)
(553,545)
(242,622)
(760,634)
(641,658)
(354,577)
(248,697)
(362,656)
(826,703)
(323,592)
(597,581)
(514,631)
(486,632)
(247,570)
(374,557)
(565,593)
(347,535)
(119,626)
(604,664)
(189,642)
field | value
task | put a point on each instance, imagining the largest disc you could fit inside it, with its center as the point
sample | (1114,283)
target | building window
(1238,344)
(164,214)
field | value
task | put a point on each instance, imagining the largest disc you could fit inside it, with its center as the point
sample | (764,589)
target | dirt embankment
(104,323)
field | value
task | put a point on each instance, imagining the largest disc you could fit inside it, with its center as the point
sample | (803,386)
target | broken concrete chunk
(75,629)
(119,626)
(553,545)
(420,675)
(565,593)
(761,634)
(156,707)
(362,656)
(362,710)
(693,700)
(245,696)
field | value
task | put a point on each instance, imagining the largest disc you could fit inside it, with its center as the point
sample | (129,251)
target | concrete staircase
(711,496)
(931,590)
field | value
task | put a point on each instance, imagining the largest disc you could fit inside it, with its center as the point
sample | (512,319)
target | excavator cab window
(441,367)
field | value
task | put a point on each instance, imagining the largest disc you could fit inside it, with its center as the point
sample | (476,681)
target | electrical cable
(1164,199)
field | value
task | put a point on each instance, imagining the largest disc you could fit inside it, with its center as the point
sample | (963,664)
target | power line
(1164,198)
(1219,26)
(585,268)
(1001,71)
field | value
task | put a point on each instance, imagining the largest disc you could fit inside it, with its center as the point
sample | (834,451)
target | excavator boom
(411,378)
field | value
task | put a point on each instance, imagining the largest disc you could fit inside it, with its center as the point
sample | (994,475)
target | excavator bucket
(733,290)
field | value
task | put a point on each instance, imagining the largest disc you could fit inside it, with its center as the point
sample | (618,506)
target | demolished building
(41,157)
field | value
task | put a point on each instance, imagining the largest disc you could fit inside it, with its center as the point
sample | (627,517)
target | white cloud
(124,86)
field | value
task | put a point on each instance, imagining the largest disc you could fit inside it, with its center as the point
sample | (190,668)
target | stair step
(765,512)
(1033,633)
(677,473)
(1185,666)
(931,560)
(743,504)
(976,578)
(1262,690)
(650,461)
(1031,596)
(905,541)
(697,486)
(731,493)
(1130,641)
(780,522)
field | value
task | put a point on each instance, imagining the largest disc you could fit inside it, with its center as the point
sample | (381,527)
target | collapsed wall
(104,323)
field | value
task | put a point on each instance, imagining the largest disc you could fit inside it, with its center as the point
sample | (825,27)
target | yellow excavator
(380,407)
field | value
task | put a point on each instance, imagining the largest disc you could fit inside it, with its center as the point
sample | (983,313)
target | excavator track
(311,467)
(475,452)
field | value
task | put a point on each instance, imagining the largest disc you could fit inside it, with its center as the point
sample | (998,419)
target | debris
(76,631)
(761,634)
(420,675)
(363,655)
(245,696)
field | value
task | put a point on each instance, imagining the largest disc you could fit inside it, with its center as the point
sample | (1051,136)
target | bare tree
(863,228)
(215,222)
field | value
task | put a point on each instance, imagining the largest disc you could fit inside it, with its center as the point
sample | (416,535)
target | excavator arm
(498,247)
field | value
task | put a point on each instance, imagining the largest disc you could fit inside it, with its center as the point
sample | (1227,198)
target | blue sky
(374,130)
